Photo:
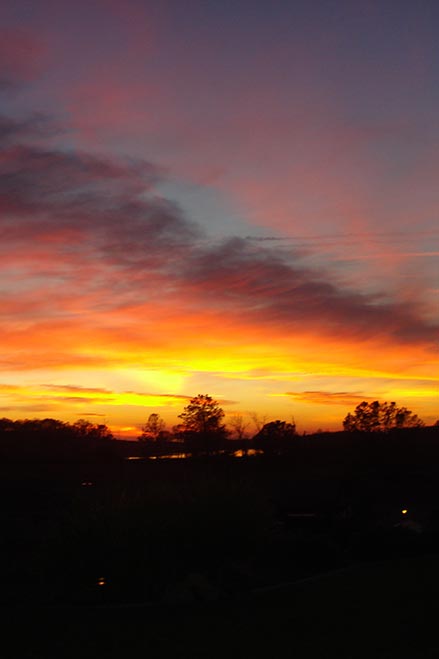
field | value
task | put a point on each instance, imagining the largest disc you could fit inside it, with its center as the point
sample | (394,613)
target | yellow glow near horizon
(318,379)
(132,280)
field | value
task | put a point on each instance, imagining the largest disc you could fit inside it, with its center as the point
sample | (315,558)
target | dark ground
(387,609)
(226,527)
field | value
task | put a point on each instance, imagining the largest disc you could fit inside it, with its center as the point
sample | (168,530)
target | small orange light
(101,581)
(404,511)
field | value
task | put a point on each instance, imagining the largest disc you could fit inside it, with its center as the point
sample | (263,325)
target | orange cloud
(328,397)
(108,283)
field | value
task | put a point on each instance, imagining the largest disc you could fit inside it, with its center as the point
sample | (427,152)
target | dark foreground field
(385,609)
(183,558)
(200,530)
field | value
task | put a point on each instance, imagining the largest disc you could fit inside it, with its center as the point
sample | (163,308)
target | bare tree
(259,421)
(239,426)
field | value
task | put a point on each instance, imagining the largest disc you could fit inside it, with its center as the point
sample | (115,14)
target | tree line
(203,417)
(51,439)
(380,417)
(202,426)
(81,429)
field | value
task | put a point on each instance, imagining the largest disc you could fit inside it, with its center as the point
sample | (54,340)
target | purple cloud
(112,241)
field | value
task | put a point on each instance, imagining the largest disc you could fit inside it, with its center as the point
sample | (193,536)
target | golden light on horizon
(185,257)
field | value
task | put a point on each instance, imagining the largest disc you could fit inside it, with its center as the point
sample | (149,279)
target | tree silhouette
(202,422)
(276,431)
(153,428)
(376,416)
(258,420)
(239,426)
(85,429)
(42,439)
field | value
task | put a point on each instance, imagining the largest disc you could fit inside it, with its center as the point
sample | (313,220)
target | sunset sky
(232,198)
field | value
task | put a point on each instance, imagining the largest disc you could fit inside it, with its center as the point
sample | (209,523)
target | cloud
(329,397)
(76,399)
(38,408)
(90,414)
(104,208)
(35,127)
(75,388)
(100,268)
(70,183)
(21,57)
(54,395)
(272,287)
(143,394)
(61,396)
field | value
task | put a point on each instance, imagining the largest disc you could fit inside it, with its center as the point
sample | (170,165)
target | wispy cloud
(21,56)
(101,271)
(329,397)
(57,395)
(90,244)
(70,388)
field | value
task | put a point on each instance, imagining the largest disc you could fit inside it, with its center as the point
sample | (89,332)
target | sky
(237,199)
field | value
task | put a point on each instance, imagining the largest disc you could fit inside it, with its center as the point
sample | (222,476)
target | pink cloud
(106,106)
(22,54)
(94,253)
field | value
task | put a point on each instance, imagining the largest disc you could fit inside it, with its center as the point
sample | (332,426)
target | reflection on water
(166,456)
(240,453)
